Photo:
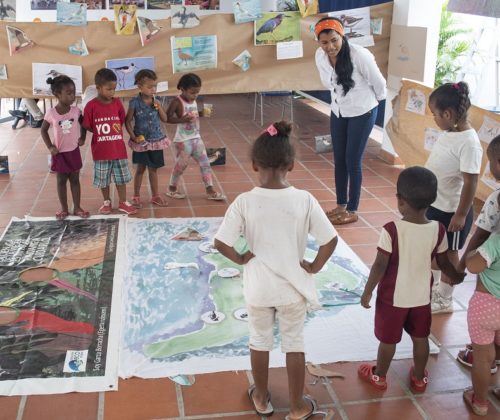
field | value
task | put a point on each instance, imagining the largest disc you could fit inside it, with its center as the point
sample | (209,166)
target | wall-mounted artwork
(8,10)
(407,52)
(42,71)
(276,27)
(126,69)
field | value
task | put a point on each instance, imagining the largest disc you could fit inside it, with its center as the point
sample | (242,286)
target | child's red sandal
(480,408)
(365,372)
(418,385)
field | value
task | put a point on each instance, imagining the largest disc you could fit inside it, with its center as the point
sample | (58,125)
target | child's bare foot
(79,212)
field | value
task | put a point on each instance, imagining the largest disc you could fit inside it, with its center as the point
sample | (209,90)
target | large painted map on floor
(59,305)
(184,311)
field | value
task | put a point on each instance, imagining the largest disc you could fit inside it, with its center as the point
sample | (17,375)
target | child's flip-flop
(216,196)
(158,201)
(61,215)
(269,410)
(175,194)
(327,415)
(84,214)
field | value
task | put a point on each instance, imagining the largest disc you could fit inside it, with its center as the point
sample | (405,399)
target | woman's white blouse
(369,84)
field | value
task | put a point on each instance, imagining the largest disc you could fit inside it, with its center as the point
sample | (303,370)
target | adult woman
(356,86)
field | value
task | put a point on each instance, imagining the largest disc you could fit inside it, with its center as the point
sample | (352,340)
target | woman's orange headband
(328,24)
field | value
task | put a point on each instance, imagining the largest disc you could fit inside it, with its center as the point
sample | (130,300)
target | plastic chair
(282,93)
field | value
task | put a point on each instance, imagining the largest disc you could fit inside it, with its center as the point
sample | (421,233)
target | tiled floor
(30,189)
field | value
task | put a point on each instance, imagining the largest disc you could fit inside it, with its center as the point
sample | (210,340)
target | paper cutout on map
(243,60)
(42,71)
(356,25)
(416,101)
(125,18)
(276,27)
(126,69)
(188,234)
(193,53)
(488,130)
(18,40)
(79,48)
(148,29)
(185,16)
(489,179)
(308,7)
(71,14)
(430,137)
(208,247)
(228,272)
(3,72)
(246,10)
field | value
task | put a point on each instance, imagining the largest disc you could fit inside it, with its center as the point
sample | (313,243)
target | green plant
(452,45)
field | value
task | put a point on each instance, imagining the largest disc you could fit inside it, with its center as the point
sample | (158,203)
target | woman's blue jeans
(349,138)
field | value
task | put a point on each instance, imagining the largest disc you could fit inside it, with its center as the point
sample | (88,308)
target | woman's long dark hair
(343,66)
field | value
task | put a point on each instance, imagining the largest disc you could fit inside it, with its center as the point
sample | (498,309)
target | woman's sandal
(344,218)
(365,372)
(418,385)
(158,201)
(136,202)
(480,408)
(216,196)
(175,194)
(335,212)
(84,214)
(327,415)
(269,410)
(61,215)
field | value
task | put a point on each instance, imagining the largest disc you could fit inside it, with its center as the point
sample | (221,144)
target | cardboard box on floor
(265,74)
(406,129)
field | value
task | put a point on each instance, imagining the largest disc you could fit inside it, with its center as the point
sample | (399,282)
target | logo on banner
(76,361)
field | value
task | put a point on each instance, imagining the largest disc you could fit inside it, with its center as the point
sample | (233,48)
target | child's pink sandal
(365,372)
(480,408)
(418,385)
(61,215)
(158,201)
(84,214)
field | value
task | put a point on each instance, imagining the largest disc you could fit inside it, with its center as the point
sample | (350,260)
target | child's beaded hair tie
(271,130)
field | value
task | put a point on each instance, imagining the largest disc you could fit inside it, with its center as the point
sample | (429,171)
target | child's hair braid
(454,96)
(273,148)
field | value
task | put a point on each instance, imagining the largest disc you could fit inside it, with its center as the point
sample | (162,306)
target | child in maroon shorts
(402,270)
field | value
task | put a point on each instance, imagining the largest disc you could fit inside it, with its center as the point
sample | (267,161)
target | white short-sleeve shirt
(276,224)
(489,218)
(452,154)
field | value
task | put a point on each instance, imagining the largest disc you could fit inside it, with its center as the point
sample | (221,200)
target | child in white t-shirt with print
(455,159)
(275,220)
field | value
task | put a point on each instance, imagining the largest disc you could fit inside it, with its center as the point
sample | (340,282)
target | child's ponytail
(273,148)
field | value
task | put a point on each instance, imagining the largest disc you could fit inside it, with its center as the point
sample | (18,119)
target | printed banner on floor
(184,311)
(60,305)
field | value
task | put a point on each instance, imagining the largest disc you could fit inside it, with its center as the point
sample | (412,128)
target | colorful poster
(71,14)
(92,4)
(489,8)
(308,7)
(148,29)
(125,19)
(204,4)
(356,25)
(416,101)
(162,4)
(8,10)
(275,27)
(79,48)
(42,71)
(60,305)
(18,40)
(185,16)
(193,53)
(184,311)
(140,4)
(246,10)
(126,69)
(488,130)
(286,6)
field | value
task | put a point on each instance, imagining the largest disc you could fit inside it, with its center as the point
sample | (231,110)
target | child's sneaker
(441,305)
(418,385)
(466,357)
(127,208)
(106,207)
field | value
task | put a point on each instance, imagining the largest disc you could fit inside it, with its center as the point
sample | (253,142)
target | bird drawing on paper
(242,12)
(271,24)
(121,73)
(185,57)
(77,15)
(183,17)
(350,22)
(22,38)
(152,27)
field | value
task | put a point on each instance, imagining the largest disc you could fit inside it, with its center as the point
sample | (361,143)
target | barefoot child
(69,135)
(455,159)
(276,219)
(402,270)
(183,111)
(483,320)
(146,136)
(104,117)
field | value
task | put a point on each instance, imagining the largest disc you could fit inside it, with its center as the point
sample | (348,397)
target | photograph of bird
(350,22)
(122,72)
(270,25)
(7,11)
(182,18)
